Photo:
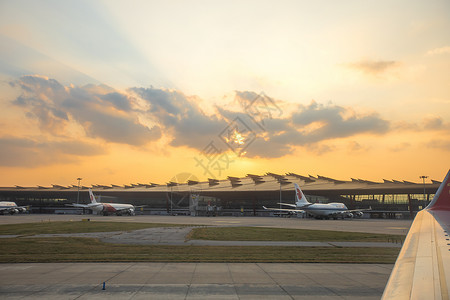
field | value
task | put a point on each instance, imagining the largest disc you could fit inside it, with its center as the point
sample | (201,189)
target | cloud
(42,97)
(320,149)
(372,67)
(181,117)
(432,123)
(408,126)
(120,117)
(101,111)
(317,122)
(355,147)
(441,50)
(309,127)
(24,152)
(439,144)
(400,147)
(268,149)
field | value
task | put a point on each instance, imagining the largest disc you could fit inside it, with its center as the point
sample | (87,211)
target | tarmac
(386,226)
(200,280)
(177,236)
(192,281)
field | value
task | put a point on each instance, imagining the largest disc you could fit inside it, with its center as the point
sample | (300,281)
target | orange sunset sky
(120,92)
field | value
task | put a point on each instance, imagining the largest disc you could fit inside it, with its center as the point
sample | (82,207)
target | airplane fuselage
(333,210)
(319,209)
(112,208)
(11,207)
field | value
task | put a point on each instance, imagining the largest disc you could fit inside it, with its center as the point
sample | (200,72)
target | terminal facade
(234,196)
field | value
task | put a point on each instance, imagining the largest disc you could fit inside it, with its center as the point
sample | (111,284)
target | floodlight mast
(78,194)
(424,177)
(280,199)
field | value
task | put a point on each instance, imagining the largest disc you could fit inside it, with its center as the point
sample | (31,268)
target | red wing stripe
(442,202)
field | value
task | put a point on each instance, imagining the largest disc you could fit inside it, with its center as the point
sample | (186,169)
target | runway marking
(15,267)
(396,227)
(228,222)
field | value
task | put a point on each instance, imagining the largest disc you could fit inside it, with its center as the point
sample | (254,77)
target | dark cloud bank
(116,117)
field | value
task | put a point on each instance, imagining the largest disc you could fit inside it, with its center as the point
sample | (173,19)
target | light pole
(280,199)
(78,194)
(424,177)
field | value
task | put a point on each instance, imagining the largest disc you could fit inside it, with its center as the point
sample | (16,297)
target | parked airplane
(422,269)
(107,208)
(318,210)
(11,208)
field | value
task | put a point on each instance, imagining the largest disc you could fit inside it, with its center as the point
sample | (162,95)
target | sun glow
(236,137)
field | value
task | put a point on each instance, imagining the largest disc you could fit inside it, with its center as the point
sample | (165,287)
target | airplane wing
(14,209)
(356,210)
(422,269)
(84,205)
(284,209)
(295,206)
(118,210)
(359,212)
(287,204)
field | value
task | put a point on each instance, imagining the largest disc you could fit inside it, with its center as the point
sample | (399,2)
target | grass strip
(75,227)
(283,234)
(15,250)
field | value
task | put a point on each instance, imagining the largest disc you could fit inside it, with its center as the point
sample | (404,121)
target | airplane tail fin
(441,200)
(300,198)
(91,195)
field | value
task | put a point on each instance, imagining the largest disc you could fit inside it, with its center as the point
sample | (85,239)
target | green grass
(75,227)
(14,250)
(67,249)
(282,234)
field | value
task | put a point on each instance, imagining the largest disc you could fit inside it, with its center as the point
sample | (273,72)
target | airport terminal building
(234,196)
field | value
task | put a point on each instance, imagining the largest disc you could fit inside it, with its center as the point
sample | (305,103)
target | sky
(127,92)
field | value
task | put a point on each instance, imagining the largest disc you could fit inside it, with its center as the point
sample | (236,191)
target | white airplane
(422,269)
(11,208)
(318,210)
(107,208)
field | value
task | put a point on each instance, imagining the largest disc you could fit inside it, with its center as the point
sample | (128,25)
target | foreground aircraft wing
(422,269)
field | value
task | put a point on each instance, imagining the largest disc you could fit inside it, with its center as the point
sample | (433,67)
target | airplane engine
(359,214)
(131,212)
(349,215)
(13,211)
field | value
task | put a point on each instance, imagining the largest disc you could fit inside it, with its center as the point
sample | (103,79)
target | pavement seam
(100,284)
(63,267)
(273,279)
(340,296)
(351,279)
(146,282)
(190,282)
(232,279)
